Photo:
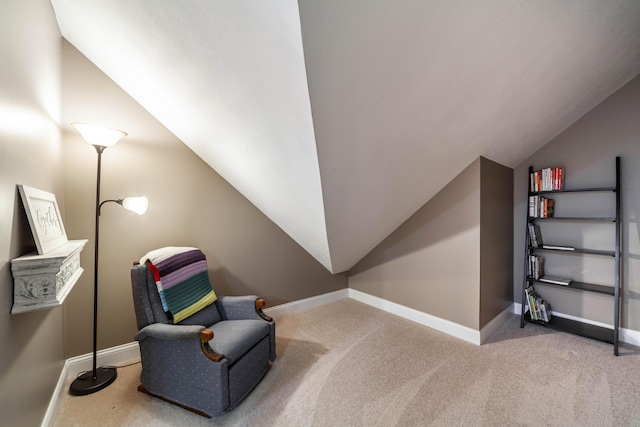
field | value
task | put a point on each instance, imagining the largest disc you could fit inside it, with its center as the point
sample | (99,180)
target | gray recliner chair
(208,362)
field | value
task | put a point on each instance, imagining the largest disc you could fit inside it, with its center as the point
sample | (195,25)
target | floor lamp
(101,137)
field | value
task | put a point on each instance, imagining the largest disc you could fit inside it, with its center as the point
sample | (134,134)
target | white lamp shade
(98,135)
(138,205)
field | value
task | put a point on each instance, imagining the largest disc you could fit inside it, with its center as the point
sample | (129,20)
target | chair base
(142,389)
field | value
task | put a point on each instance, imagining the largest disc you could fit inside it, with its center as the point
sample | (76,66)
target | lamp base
(87,384)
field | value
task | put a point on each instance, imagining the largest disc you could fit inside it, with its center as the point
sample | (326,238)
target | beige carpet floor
(348,364)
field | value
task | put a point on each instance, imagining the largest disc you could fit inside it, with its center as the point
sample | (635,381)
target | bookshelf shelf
(576,251)
(579,286)
(576,218)
(582,329)
(534,308)
(577,190)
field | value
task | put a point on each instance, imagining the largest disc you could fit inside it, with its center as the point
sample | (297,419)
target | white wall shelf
(42,282)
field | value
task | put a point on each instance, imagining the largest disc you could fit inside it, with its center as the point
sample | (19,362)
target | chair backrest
(148,307)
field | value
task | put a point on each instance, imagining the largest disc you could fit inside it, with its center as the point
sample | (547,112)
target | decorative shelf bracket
(43,281)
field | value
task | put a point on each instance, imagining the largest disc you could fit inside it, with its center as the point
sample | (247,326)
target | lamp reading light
(138,205)
(98,135)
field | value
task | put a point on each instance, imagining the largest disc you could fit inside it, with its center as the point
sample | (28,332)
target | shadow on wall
(627,293)
(226,283)
(441,218)
(21,243)
(25,335)
(630,233)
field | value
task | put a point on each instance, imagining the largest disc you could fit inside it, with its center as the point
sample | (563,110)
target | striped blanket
(182,280)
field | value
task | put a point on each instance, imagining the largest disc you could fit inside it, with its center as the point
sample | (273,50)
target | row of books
(535,235)
(541,207)
(535,239)
(548,179)
(536,267)
(536,263)
(539,309)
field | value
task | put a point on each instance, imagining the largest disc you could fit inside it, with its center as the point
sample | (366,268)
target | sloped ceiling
(339,119)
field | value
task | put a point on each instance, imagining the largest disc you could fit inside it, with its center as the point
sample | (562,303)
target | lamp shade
(98,135)
(138,205)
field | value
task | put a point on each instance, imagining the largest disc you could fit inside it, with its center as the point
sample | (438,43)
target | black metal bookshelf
(563,324)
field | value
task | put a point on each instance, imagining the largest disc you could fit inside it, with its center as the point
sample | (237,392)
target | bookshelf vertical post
(526,252)
(618,267)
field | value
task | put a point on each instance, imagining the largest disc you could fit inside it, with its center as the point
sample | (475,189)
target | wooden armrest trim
(206,335)
(260,303)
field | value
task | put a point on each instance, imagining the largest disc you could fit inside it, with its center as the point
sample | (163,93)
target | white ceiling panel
(338,120)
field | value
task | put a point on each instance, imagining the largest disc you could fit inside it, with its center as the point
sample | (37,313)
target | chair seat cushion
(234,338)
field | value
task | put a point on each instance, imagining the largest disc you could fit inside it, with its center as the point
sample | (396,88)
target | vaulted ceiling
(339,119)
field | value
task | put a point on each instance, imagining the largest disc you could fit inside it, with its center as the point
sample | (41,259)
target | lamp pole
(97,378)
(100,137)
(99,150)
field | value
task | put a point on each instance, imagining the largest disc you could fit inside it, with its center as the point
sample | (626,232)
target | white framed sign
(44,218)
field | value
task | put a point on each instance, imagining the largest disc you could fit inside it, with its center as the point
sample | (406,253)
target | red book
(560,178)
(540,187)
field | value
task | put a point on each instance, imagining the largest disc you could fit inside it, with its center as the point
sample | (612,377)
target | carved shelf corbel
(43,281)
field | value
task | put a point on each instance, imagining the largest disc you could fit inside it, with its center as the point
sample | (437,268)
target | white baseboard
(76,365)
(107,357)
(463,332)
(307,303)
(629,336)
(446,326)
(50,415)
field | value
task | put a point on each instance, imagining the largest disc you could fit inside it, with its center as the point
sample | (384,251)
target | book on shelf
(555,280)
(529,292)
(547,208)
(559,248)
(536,267)
(546,311)
(548,179)
(539,309)
(541,207)
(535,235)
(539,304)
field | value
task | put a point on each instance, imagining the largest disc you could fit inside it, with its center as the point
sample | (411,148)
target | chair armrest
(180,332)
(169,332)
(240,308)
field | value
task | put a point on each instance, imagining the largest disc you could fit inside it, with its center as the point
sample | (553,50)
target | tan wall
(496,239)
(587,150)
(190,205)
(32,353)
(432,262)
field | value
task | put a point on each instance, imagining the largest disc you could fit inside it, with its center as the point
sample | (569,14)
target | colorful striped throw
(182,280)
